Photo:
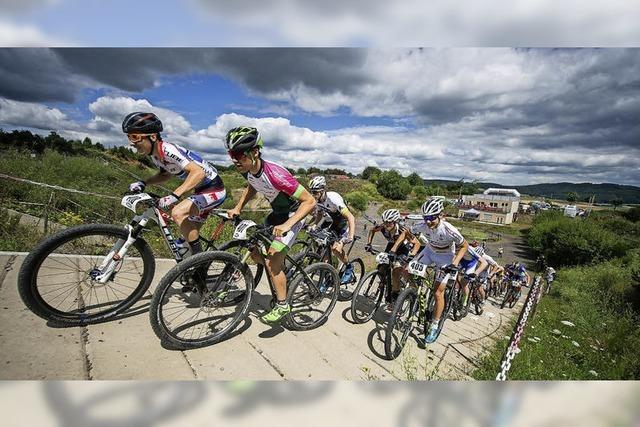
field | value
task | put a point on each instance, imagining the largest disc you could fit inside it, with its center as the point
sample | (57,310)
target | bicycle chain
(532,300)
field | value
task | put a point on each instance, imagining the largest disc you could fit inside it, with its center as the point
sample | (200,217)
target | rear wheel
(234,247)
(400,323)
(367,297)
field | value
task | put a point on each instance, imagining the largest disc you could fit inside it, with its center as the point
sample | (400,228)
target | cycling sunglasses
(237,155)
(430,218)
(137,137)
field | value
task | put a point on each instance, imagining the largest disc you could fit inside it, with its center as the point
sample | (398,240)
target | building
(495,205)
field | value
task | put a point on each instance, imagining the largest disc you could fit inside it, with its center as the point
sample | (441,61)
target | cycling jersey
(173,158)
(209,193)
(444,238)
(391,235)
(283,191)
(334,205)
(277,185)
(479,250)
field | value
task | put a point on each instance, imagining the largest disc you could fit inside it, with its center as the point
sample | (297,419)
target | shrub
(357,199)
(568,241)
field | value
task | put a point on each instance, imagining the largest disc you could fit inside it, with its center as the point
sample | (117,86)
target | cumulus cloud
(443,151)
(433,23)
(30,115)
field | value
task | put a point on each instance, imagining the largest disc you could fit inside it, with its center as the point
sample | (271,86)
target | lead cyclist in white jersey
(343,223)
(446,246)
(143,131)
(290,202)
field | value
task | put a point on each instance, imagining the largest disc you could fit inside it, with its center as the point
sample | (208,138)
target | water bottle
(183,247)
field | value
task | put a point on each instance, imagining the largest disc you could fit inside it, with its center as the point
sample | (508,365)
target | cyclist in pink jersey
(290,202)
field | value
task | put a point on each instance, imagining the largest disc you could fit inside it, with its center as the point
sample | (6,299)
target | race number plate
(240,233)
(417,269)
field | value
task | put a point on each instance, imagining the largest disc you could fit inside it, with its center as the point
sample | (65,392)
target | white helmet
(433,206)
(317,183)
(391,215)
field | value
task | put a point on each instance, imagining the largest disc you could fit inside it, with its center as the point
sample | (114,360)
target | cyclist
(143,131)
(400,241)
(519,271)
(488,275)
(343,224)
(474,265)
(289,200)
(445,247)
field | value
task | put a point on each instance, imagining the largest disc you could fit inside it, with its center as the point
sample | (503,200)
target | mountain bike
(513,293)
(93,272)
(417,302)
(372,289)
(319,250)
(475,298)
(210,312)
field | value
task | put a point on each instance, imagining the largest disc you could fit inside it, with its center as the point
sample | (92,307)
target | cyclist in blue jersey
(143,131)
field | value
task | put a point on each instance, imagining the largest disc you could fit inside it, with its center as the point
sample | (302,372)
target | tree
(420,191)
(616,202)
(301,171)
(435,190)
(370,171)
(393,186)
(572,196)
(415,179)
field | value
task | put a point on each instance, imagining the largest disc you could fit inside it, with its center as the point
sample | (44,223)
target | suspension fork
(111,261)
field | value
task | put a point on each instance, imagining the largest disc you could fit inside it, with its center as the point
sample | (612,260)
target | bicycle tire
(28,276)
(160,299)
(399,309)
(366,284)
(515,299)
(309,297)
(506,298)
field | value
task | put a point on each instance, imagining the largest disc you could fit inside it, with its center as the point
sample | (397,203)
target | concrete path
(127,348)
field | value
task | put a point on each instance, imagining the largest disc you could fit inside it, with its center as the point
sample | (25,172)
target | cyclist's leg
(275,268)
(191,213)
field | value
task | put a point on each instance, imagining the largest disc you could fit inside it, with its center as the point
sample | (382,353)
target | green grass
(599,300)
(15,236)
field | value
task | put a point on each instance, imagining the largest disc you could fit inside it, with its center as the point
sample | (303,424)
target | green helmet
(243,139)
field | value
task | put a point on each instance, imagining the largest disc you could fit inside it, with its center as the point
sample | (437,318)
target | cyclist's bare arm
(351,220)
(307,203)
(372,232)
(461,250)
(195,176)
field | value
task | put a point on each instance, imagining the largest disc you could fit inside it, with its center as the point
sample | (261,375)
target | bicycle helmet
(243,139)
(391,215)
(433,206)
(317,183)
(138,122)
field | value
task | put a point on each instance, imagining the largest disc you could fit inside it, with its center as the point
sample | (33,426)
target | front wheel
(234,247)
(63,281)
(506,299)
(515,298)
(201,300)
(367,297)
(312,296)
(401,321)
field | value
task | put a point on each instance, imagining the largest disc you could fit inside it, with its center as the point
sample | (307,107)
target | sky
(544,112)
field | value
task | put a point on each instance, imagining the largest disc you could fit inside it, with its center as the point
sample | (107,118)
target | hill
(605,193)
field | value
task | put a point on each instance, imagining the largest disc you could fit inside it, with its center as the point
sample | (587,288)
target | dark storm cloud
(36,75)
(54,75)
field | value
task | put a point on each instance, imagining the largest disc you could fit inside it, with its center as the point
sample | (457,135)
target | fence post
(46,214)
